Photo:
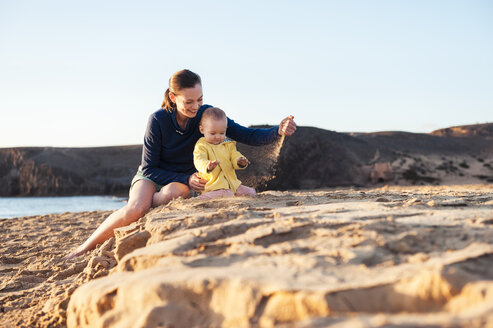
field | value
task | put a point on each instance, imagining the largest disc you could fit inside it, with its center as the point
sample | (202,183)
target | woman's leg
(216,194)
(170,191)
(139,202)
(245,191)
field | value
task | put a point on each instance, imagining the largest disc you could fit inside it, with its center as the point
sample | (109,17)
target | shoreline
(338,239)
(17,207)
(124,198)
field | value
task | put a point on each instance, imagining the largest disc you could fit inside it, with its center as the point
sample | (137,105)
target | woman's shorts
(140,176)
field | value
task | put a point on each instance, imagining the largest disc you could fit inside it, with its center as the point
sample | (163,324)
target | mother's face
(188,101)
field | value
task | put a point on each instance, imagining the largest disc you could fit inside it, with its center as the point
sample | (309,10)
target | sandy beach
(389,256)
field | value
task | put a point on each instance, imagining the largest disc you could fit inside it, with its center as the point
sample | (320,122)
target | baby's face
(214,131)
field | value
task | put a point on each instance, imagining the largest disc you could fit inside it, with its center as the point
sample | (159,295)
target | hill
(483,130)
(311,158)
(48,171)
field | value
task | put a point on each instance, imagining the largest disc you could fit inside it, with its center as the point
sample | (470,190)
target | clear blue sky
(89,73)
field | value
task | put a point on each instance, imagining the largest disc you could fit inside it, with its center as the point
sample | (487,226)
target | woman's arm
(151,155)
(249,136)
(259,137)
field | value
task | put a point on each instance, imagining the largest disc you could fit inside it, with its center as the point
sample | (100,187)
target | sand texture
(36,282)
(382,257)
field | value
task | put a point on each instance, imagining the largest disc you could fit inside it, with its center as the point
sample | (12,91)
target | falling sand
(263,165)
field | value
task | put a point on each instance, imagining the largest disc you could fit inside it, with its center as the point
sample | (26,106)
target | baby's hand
(212,165)
(243,162)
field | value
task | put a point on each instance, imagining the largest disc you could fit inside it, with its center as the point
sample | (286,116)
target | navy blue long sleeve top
(167,154)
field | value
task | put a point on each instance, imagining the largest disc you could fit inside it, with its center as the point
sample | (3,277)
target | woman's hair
(180,80)
(214,113)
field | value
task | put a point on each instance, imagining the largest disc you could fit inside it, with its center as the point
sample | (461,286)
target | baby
(216,159)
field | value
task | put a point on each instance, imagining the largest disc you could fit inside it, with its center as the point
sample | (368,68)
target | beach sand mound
(390,256)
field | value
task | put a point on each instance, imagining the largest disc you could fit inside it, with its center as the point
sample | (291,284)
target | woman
(167,170)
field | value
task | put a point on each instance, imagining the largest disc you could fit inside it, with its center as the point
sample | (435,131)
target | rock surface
(392,256)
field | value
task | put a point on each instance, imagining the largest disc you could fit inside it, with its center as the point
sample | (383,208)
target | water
(11,207)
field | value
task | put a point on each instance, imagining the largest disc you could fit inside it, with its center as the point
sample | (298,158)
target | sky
(89,73)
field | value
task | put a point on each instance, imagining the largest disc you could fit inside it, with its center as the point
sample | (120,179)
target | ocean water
(11,207)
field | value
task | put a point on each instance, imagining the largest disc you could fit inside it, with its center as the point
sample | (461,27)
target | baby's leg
(216,194)
(245,191)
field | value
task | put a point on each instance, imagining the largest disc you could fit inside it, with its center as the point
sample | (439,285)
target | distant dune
(311,158)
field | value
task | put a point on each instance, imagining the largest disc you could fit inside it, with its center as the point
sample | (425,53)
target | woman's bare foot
(78,252)
(138,204)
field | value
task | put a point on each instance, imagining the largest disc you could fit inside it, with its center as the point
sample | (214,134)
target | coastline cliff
(311,158)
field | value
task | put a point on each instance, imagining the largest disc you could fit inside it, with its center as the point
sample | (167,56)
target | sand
(36,281)
(382,257)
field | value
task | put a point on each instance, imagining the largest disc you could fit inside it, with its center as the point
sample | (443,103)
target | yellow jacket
(223,176)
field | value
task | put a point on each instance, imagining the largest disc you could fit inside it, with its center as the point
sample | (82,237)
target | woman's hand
(287,126)
(196,183)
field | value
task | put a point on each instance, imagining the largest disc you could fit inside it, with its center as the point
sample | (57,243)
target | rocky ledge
(393,256)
